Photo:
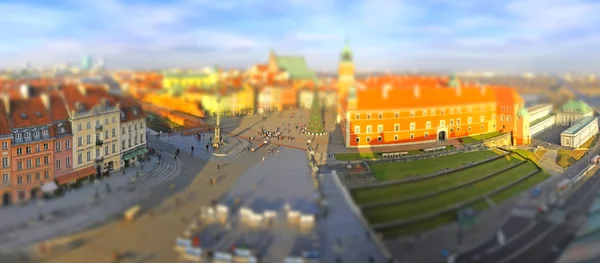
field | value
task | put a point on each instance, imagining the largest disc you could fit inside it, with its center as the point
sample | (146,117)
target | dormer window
(36,134)
(61,130)
(38,114)
(17,136)
(45,132)
(27,135)
(135,112)
(122,115)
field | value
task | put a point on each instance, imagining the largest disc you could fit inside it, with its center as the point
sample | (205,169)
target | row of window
(129,142)
(58,147)
(28,177)
(29,149)
(29,163)
(412,135)
(423,113)
(413,125)
(27,135)
(98,123)
(98,137)
(67,163)
(141,126)
(89,154)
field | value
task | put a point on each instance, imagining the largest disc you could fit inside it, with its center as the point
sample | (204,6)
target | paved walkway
(203,146)
(151,237)
(78,209)
(343,224)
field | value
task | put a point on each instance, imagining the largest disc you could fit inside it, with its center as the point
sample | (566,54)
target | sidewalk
(15,216)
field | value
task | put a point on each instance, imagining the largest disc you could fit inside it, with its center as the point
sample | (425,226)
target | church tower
(345,71)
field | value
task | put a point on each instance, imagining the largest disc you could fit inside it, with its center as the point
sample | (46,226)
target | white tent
(49,187)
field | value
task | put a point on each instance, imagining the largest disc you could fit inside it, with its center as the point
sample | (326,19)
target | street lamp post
(40,205)
(217,137)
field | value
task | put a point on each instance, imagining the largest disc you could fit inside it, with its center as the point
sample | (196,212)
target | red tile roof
(29,108)
(5,127)
(417,92)
(58,108)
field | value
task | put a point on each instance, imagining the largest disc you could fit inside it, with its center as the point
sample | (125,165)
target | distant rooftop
(580,125)
(534,109)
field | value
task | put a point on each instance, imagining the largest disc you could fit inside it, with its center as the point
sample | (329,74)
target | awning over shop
(66,178)
(49,187)
(134,153)
(91,170)
(127,156)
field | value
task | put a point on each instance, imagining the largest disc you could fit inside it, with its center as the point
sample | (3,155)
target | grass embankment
(478,138)
(399,191)
(401,170)
(355,156)
(446,200)
(566,158)
(449,217)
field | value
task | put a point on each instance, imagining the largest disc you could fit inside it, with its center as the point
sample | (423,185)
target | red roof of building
(418,92)
(5,127)
(29,112)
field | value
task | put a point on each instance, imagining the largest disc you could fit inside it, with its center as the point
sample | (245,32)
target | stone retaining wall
(408,158)
(498,141)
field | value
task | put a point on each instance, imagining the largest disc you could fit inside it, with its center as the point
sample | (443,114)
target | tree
(315,123)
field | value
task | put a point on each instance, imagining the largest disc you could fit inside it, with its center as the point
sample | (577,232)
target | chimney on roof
(24,90)
(45,100)
(82,89)
(6,101)
(417,91)
(386,89)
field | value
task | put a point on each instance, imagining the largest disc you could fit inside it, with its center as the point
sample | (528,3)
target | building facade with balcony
(32,148)
(6,187)
(63,142)
(95,122)
(133,144)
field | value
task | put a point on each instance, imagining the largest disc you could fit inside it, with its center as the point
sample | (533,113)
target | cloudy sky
(482,35)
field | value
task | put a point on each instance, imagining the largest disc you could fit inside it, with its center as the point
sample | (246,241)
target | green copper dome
(453,81)
(352,92)
(522,112)
(346,55)
(576,106)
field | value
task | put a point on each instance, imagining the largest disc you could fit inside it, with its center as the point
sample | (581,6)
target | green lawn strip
(520,187)
(420,226)
(399,191)
(354,156)
(404,211)
(478,138)
(400,170)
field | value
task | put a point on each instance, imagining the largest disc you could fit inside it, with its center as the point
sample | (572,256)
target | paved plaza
(549,138)
(95,231)
(79,208)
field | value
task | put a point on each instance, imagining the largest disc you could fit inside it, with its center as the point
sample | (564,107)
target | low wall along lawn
(400,170)
(448,199)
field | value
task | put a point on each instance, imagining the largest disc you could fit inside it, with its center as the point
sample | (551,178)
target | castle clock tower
(345,71)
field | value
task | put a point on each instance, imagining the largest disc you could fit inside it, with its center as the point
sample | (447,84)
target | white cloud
(313,37)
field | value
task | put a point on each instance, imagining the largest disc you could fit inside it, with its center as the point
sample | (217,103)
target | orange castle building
(396,110)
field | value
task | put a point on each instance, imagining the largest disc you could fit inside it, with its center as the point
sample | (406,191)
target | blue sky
(483,35)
